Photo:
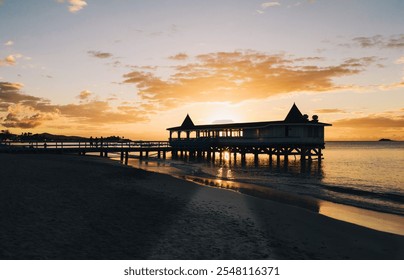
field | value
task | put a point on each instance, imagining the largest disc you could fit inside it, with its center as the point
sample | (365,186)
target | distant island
(385,139)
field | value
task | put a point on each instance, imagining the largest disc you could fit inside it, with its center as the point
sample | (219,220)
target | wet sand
(77,207)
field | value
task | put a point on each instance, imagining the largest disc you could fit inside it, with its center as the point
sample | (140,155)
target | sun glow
(225,114)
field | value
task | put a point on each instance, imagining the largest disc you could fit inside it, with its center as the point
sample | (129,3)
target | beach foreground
(78,207)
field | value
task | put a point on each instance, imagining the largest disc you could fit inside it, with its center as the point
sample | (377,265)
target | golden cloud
(179,56)
(329,111)
(373,121)
(241,75)
(8,60)
(26,111)
(22,116)
(389,124)
(74,5)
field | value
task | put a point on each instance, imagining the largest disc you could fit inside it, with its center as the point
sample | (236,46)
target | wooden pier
(295,136)
(142,148)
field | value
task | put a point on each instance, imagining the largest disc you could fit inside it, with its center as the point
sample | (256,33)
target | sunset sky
(133,68)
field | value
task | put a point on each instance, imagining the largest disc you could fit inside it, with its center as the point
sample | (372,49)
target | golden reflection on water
(225,173)
(259,191)
(226,156)
(363,217)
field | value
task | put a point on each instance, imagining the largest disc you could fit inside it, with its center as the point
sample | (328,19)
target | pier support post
(126,157)
(122,156)
(319,156)
(302,155)
(278,158)
(286,156)
(243,162)
(270,158)
(256,159)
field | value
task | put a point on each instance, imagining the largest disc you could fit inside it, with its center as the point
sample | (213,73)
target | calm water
(364,174)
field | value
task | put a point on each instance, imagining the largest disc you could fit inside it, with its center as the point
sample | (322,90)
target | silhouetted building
(296,134)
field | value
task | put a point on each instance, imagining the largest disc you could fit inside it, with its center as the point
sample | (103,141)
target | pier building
(295,135)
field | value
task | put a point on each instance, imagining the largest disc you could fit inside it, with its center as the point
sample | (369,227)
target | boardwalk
(143,148)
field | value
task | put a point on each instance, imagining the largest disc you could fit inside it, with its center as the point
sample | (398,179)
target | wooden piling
(126,157)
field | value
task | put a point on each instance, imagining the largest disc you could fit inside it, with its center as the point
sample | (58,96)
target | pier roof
(294,117)
(187,123)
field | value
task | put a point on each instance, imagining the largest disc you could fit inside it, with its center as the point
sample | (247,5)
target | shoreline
(76,207)
(377,220)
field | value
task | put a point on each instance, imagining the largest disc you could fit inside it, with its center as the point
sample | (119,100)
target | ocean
(359,175)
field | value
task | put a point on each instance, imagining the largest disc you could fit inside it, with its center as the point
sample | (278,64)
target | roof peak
(295,116)
(187,123)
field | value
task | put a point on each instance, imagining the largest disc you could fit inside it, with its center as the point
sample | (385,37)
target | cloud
(99,54)
(18,107)
(239,76)
(388,124)
(24,117)
(100,112)
(266,5)
(179,56)
(6,86)
(394,41)
(372,121)
(74,5)
(329,111)
(8,60)
(25,111)
(392,86)
(10,94)
(84,95)
(9,43)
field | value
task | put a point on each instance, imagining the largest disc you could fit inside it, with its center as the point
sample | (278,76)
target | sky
(133,68)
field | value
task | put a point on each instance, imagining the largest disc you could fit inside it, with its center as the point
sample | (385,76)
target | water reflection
(308,203)
(225,173)
(292,167)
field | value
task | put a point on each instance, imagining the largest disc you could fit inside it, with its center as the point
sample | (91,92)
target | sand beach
(83,207)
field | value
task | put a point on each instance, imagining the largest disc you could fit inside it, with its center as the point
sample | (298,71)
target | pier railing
(83,145)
